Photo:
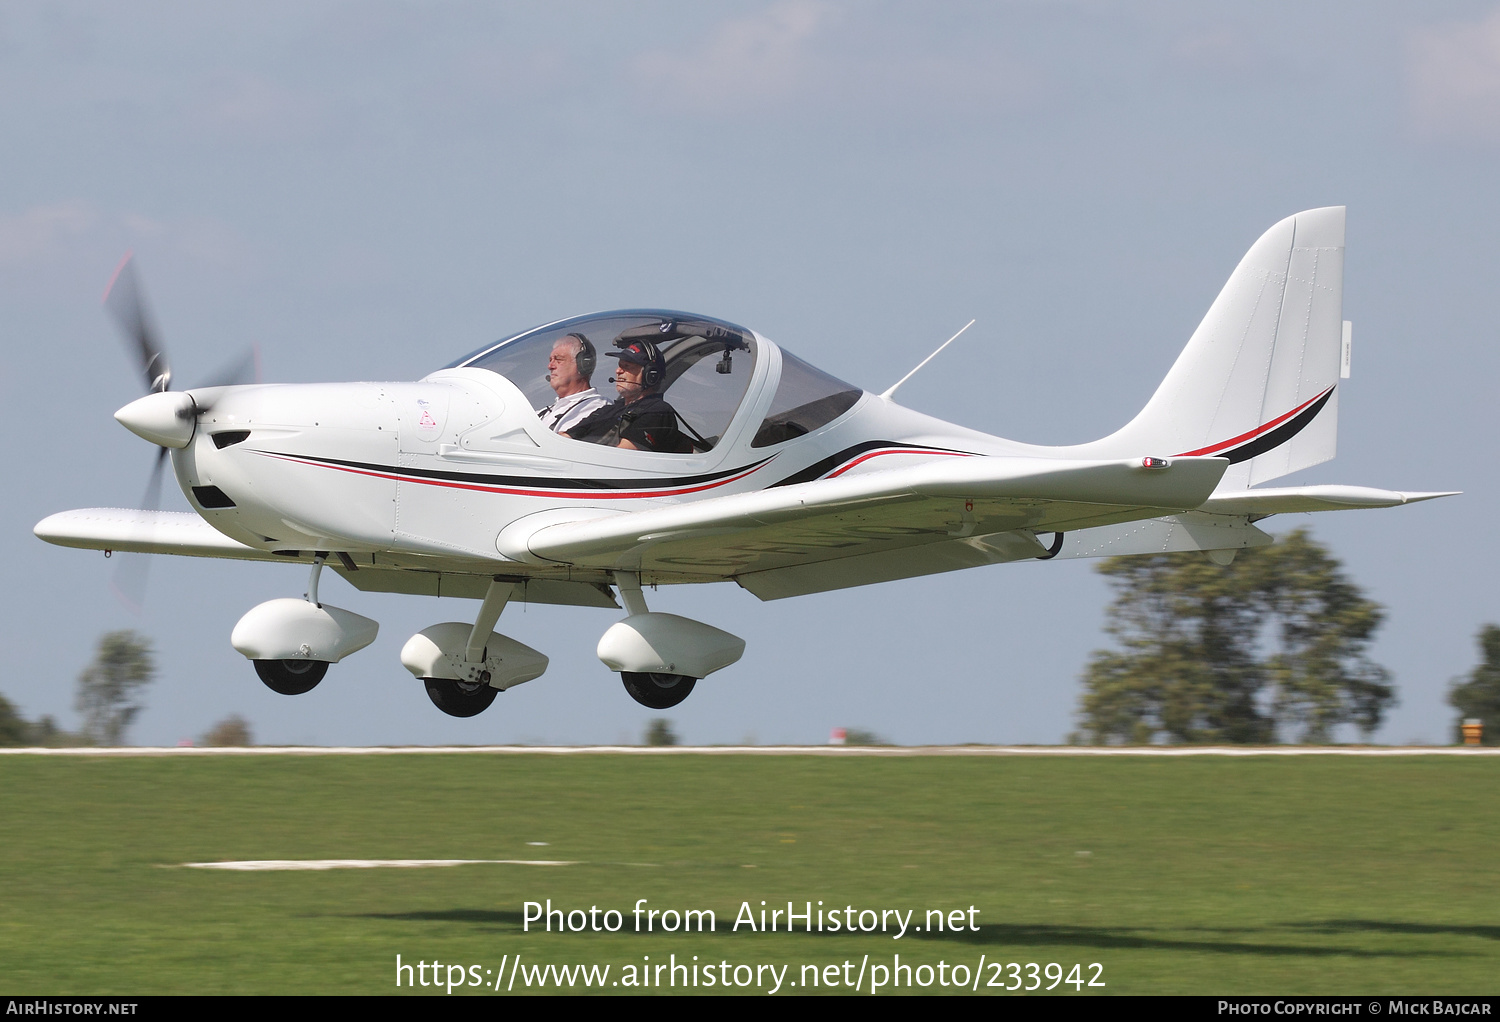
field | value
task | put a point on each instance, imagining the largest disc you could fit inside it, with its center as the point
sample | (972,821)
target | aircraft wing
(179,532)
(150,532)
(833,533)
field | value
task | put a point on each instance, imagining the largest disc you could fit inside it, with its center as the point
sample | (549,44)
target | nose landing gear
(292,642)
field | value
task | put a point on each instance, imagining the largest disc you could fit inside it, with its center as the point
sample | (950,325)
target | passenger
(641,420)
(568,371)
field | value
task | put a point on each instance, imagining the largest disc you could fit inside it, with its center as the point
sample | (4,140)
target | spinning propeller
(165,417)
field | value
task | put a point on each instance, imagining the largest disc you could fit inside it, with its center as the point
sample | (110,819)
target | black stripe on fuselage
(534,482)
(1278,436)
(828,464)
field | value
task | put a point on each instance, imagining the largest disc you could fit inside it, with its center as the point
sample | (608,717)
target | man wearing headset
(641,420)
(568,371)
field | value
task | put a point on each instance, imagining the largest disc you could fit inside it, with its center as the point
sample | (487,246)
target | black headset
(586,359)
(656,369)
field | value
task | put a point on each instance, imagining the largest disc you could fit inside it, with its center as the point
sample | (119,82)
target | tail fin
(1256,383)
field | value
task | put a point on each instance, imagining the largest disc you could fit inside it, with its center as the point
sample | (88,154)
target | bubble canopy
(709,364)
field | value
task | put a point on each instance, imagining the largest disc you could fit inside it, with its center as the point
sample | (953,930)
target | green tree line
(109,698)
(1271,647)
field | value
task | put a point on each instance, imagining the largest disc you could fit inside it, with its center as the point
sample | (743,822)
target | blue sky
(368,190)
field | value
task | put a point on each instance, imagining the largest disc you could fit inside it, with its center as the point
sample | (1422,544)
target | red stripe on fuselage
(514,491)
(1257,431)
(898,450)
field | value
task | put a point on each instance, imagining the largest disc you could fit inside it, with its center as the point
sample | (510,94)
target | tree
(659,732)
(232,731)
(109,689)
(1479,696)
(1270,645)
(47,734)
(14,729)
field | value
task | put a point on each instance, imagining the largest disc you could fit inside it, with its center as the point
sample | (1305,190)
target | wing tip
(1413,498)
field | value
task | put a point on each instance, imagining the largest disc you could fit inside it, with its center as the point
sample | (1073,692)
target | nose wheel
(459,698)
(658,691)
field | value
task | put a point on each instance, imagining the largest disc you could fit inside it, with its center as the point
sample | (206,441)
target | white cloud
(1454,77)
(42,231)
(258,110)
(821,57)
(141,225)
(73,228)
(745,62)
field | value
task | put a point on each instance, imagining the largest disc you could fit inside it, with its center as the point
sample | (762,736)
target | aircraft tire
(459,698)
(658,691)
(291,677)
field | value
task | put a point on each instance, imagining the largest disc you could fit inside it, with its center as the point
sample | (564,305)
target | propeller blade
(245,369)
(124,300)
(134,570)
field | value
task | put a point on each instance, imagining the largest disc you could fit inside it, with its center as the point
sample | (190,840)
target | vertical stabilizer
(1257,381)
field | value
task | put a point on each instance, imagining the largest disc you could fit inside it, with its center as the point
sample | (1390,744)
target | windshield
(806,399)
(708,363)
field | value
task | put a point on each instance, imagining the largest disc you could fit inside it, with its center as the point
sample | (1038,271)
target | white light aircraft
(774,475)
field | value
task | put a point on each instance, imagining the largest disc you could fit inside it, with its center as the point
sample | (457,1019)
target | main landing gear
(660,657)
(464,666)
(658,691)
(460,698)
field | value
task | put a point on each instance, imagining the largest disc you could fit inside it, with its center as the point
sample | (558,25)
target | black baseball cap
(641,353)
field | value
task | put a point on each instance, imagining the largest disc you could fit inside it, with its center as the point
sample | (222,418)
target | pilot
(568,371)
(641,420)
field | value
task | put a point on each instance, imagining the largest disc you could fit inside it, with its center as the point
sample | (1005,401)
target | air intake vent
(211,496)
(230,437)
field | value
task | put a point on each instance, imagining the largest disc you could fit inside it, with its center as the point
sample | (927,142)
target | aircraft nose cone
(167,419)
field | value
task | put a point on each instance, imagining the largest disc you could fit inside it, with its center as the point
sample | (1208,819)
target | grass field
(1197,875)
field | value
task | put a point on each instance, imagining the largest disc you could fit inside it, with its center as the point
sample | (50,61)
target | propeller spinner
(165,417)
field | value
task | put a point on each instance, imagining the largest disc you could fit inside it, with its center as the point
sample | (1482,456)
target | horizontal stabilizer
(1292,499)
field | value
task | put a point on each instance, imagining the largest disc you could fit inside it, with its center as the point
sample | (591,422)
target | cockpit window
(709,364)
(806,399)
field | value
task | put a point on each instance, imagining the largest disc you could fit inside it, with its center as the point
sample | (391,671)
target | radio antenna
(929,358)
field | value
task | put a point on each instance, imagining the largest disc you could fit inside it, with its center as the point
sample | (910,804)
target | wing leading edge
(147,532)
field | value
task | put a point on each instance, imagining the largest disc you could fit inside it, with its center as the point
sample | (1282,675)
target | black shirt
(648,422)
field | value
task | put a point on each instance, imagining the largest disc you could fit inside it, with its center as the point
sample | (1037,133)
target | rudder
(1257,380)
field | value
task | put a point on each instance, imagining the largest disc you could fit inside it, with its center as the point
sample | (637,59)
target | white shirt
(567,412)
